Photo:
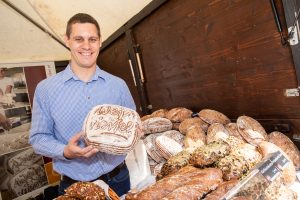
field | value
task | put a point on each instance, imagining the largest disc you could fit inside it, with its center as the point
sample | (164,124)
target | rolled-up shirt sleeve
(42,136)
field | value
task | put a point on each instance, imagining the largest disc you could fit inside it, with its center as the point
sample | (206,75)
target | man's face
(84,44)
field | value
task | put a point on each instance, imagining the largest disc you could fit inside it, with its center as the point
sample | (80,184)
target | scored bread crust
(112,129)
(212,116)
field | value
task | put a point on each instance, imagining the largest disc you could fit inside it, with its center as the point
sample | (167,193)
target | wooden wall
(220,54)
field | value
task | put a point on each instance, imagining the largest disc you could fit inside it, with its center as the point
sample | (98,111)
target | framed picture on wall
(21,170)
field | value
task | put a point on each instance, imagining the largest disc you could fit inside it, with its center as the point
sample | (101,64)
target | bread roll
(156,125)
(178,114)
(186,124)
(251,130)
(167,147)
(213,116)
(215,132)
(287,146)
(222,189)
(195,137)
(233,130)
(159,113)
(152,149)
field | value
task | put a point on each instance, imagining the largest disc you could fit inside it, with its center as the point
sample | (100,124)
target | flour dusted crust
(287,146)
(195,137)
(156,125)
(22,160)
(152,149)
(215,132)
(112,129)
(178,114)
(233,130)
(28,180)
(167,147)
(213,116)
(186,124)
(251,130)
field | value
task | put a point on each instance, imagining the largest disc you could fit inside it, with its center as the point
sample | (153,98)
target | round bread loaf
(288,176)
(213,116)
(178,114)
(287,146)
(195,137)
(175,135)
(112,129)
(249,153)
(86,190)
(167,146)
(156,125)
(215,132)
(234,142)
(152,149)
(145,117)
(159,113)
(251,130)
(186,124)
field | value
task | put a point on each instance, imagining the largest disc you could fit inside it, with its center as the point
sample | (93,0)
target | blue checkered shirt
(60,106)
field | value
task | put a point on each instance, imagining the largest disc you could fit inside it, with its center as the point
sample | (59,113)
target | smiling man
(62,102)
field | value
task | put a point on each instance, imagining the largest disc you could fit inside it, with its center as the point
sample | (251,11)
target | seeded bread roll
(213,116)
(156,125)
(112,129)
(145,117)
(215,132)
(86,190)
(186,124)
(288,176)
(178,114)
(251,130)
(287,146)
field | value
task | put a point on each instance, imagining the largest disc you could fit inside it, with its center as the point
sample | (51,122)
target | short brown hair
(81,18)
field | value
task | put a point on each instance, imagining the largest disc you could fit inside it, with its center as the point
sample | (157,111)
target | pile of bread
(182,147)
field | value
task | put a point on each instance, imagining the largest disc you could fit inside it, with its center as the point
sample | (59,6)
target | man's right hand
(73,150)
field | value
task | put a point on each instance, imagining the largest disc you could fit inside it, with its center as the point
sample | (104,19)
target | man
(62,102)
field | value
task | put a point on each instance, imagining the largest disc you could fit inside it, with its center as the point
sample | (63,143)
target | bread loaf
(213,116)
(178,114)
(156,125)
(151,147)
(186,124)
(159,113)
(112,129)
(251,130)
(233,130)
(215,132)
(86,190)
(222,189)
(167,147)
(195,137)
(287,146)
(175,135)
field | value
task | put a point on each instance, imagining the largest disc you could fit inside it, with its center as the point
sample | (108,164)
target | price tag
(271,173)
(282,162)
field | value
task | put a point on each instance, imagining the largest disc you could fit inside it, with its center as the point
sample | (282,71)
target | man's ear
(66,39)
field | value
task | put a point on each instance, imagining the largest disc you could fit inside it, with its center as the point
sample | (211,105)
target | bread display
(215,132)
(213,116)
(209,154)
(167,147)
(189,123)
(251,130)
(156,125)
(287,146)
(112,129)
(178,114)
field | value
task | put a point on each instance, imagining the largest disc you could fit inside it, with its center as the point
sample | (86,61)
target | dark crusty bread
(287,146)
(186,124)
(222,189)
(86,190)
(178,114)
(213,116)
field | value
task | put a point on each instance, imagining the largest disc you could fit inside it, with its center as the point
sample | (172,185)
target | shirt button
(89,97)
